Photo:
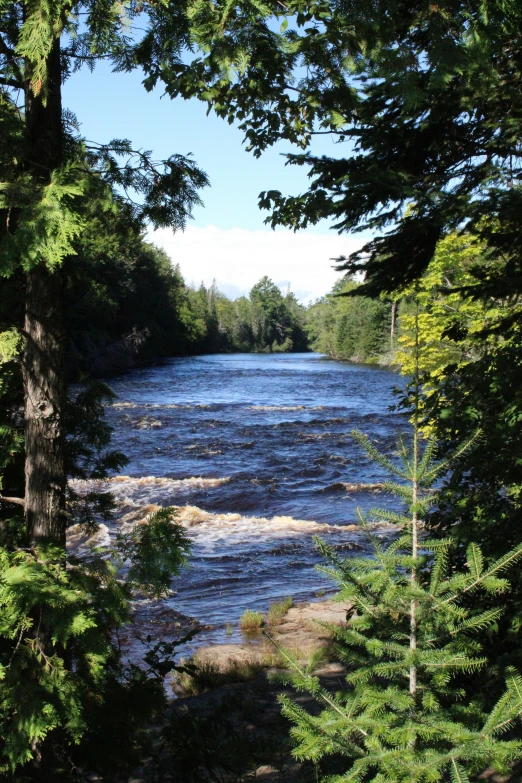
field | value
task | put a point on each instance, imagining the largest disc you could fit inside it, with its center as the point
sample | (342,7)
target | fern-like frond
(475,560)
(458,773)
(375,455)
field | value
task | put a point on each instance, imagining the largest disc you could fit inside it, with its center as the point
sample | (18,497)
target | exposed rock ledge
(301,631)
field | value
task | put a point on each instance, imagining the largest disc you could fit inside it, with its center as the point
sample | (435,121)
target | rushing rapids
(255,453)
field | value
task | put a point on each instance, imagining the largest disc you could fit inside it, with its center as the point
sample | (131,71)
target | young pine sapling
(409,710)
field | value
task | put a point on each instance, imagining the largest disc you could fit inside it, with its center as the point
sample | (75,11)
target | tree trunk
(43,371)
(392,327)
(43,360)
(415,518)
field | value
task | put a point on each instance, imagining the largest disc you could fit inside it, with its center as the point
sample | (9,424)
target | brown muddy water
(255,451)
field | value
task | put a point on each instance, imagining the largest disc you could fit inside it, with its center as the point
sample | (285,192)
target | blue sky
(116,105)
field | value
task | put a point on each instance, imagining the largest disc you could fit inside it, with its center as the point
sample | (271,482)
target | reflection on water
(256,452)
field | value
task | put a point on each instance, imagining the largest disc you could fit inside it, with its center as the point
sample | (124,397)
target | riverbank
(386,359)
(303,630)
(232,727)
(97,356)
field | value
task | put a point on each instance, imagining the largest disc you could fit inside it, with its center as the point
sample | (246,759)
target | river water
(255,450)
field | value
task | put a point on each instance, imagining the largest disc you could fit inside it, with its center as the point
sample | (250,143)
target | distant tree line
(352,328)
(125,303)
(264,321)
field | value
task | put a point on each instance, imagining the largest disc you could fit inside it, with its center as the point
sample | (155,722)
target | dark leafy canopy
(124,298)
(169,188)
(425,97)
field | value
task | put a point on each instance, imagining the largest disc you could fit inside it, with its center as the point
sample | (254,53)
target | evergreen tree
(64,687)
(45,170)
(410,710)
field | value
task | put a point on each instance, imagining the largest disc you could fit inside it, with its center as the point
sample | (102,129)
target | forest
(424,102)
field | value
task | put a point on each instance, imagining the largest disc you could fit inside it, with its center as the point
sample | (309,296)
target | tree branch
(16,501)
(10,54)
(11,83)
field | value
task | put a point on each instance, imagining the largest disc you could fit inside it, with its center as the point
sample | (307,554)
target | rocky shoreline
(303,630)
(232,727)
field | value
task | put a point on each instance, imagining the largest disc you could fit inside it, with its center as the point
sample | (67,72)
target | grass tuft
(208,675)
(251,622)
(278,610)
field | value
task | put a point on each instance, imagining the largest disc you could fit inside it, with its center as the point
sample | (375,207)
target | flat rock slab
(308,618)
(302,631)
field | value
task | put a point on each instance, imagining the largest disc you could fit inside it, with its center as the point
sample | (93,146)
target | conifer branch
(12,59)
(458,775)
(320,693)
(11,83)
(501,564)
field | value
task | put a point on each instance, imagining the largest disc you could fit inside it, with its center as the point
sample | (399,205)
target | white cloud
(238,258)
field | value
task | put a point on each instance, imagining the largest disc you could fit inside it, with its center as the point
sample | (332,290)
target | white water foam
(209,530)
(145,487)
(156,405)
(138,498)
(284,408)
(79,543)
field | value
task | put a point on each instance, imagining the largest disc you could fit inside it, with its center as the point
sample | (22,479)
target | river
(255,450)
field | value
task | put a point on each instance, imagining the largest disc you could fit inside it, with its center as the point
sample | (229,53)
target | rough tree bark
(43,360)
(392,326)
